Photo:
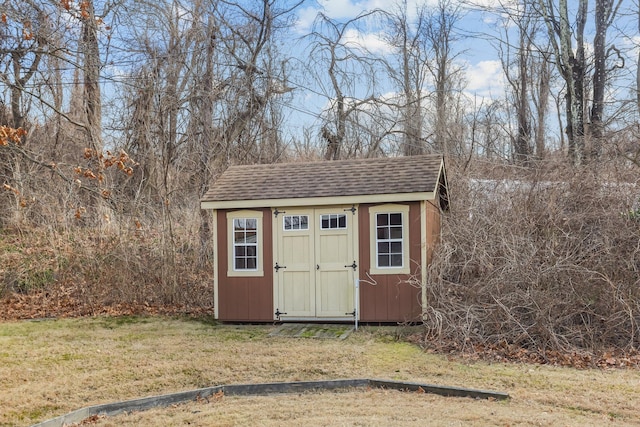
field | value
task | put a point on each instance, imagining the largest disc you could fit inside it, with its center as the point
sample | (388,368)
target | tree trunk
(91,74)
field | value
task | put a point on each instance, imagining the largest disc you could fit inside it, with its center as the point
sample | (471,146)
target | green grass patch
(119,321)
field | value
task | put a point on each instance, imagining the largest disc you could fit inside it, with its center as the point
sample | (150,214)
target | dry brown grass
(52,367)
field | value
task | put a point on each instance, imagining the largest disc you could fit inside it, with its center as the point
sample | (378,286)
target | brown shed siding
(392,299)
(433,228)
(245,299)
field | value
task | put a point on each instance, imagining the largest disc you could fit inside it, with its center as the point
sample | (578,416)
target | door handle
(317,266)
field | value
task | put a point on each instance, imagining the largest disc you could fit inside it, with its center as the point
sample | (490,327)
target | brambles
(539,264)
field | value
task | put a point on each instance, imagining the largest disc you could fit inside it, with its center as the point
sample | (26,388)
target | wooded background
(117,114)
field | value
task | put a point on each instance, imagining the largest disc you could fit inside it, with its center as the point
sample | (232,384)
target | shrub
(540,264)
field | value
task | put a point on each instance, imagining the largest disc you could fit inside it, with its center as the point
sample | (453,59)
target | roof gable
(262,185)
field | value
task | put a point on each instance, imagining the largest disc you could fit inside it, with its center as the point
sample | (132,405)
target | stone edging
(116,408)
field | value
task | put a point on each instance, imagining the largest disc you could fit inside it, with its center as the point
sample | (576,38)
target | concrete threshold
(116,408)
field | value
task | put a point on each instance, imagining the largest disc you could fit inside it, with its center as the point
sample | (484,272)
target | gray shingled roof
(356,177)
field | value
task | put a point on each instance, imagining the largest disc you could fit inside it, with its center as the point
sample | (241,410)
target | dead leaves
(508,353)
(9,134)
(100,162)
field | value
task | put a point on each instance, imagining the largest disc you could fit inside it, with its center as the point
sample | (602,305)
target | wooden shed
(325,241)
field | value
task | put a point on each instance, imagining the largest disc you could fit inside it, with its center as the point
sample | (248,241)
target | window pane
(383,261)
(342,221)
(295,222)
(287,223)
(252,264)
(325,221)
(395,219)
(304,222)
(241,264)
(333,222)
(382,219)
(238,224)
(239,237)
(251,237)
(396,248)
(383,233)
(241,251)
(396,260)
(251,251)
(383,247)
(396,232)
(251,224)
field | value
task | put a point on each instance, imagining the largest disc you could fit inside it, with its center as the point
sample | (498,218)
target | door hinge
(278,313)
(276,212)
(352,209)
(278,267)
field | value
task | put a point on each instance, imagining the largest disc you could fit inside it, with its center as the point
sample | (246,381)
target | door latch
(354,266)
(278,267)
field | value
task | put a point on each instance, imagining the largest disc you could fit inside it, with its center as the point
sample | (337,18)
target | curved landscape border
(143,404)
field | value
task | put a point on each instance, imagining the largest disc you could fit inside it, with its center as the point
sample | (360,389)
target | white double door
(315,262)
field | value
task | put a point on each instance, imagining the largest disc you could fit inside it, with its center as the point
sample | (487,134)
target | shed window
(389,239)
(296,222)
(333,222)
(245,243)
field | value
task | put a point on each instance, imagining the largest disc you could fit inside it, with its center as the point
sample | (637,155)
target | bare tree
(528,72)
(406,37)
(24,36)
(346,65)
(440,33)
(573,65)
(605,12)
(517,73)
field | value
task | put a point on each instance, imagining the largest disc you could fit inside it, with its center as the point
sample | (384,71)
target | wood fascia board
(423,258)
(320,201)
(216,266)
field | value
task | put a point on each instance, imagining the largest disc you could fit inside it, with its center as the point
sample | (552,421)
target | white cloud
(305,20)
(372,42)
(486,78)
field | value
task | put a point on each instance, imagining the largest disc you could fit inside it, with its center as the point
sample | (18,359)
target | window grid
(333,222)
(245,244)
(389,243)
(295,222)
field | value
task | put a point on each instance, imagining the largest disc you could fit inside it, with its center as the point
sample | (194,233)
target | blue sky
(481,69)
(476,52)
(484,71)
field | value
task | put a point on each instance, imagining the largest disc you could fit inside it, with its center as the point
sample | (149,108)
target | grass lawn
(48,368)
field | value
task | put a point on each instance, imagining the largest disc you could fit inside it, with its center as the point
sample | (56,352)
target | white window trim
(290,230)
(231,271)
(373,240)
(337,215)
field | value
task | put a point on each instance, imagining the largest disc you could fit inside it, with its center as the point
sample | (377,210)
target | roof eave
(320,201)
